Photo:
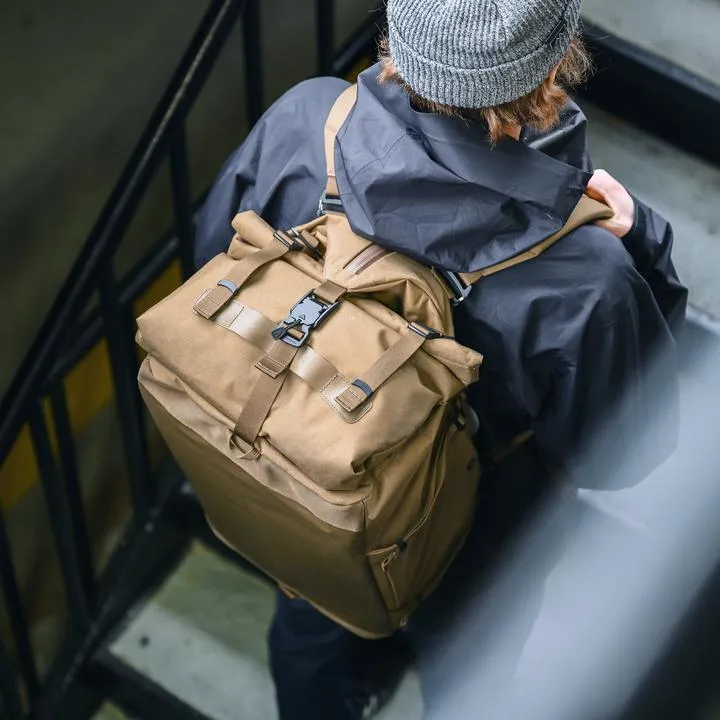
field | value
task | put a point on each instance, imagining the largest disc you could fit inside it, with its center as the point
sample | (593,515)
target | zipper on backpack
(398,548)
(369,256)
(401,545)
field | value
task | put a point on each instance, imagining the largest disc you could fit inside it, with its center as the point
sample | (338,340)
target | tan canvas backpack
(309,385)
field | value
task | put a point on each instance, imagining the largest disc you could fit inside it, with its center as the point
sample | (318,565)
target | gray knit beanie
(479,53)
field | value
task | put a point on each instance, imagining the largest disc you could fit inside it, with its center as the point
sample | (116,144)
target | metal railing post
(252,42)
(16,615)
(325,35)
(123,361)
(59,520)
(73,492)
(182,200)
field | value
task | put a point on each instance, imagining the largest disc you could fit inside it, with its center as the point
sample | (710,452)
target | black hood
(435,188)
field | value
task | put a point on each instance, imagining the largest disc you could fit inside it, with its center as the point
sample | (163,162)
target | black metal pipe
(16,616)
(11,702)
(123,361)
(182,202)
(136,694)
(73,492)
(116,215)
(325,35)
(59,521)
(138,280)
(361,44)
(254,74)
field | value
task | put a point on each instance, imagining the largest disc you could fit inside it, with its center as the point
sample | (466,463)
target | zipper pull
(386,562)
(399,547)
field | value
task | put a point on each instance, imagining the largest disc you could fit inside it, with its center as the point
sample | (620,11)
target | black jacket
(579,343)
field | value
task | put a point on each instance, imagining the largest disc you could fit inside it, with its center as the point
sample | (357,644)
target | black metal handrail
(67,335)
(163,131)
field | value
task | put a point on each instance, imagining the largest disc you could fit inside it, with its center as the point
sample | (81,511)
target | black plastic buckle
(459,290)
(329,203)
(289,242)
(424,331)
(306,315)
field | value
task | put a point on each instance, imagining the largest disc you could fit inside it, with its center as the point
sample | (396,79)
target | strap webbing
(381,370)
(329,291)
(339,113)
(586,211)
(222,293)
(273,371)
(255,327)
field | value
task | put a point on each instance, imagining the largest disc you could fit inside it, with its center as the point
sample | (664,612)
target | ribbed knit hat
(479,53)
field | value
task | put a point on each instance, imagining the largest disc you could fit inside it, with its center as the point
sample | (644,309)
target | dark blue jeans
(314,660)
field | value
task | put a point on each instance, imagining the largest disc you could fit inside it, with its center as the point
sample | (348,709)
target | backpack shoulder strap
(586,211)
(338,115)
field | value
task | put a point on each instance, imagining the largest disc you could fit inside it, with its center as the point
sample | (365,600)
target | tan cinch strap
(586,211)
(339,113)
(273,371)
(277,244)
(382,369)
(273,367)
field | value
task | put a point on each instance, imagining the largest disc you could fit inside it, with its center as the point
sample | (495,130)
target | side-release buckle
(424,331)
(459,289)
(307,314)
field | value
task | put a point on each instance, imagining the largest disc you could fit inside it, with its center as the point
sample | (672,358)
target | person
(463,150)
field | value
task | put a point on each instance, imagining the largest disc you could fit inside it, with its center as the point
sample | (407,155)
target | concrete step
(109,712)
(203,638)
(682,31)
(683,188)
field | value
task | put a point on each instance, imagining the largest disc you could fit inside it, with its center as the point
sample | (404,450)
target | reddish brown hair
(539,109)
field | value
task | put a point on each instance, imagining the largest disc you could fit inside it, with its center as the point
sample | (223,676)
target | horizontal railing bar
(12,703)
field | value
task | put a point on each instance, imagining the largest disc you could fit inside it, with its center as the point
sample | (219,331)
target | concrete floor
(203,637)
(683,31)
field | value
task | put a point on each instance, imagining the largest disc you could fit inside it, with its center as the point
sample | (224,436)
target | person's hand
(605,188)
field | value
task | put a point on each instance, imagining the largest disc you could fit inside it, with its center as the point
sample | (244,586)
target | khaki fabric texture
(358,504)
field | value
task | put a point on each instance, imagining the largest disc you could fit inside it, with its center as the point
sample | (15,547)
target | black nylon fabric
(579,343)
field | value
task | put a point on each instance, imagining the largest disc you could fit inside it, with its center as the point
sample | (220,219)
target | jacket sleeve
(278,172)
(650,244)
(608,377)
(232,191)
